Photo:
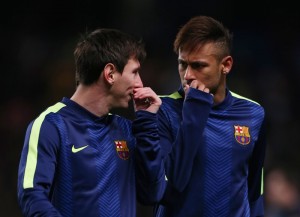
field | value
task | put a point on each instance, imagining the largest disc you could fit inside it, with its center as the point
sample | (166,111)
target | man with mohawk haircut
(212,140)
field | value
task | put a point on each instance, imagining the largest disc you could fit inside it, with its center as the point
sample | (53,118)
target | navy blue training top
(77,164)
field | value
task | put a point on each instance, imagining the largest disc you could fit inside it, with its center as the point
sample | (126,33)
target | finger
(200,86)
(143,94)
(186,87)
(206,90)
(145,97)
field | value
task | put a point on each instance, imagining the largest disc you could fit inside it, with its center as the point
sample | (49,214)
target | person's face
(125,82)
(202,65)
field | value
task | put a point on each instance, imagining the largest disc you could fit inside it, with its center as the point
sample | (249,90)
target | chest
(97,151)
(227,131)
(229,134)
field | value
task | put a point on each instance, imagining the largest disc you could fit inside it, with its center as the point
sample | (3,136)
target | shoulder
(171,100)
(173,96)
(51,110)
(249,103)
(171,107)
(46,125)
(239,97)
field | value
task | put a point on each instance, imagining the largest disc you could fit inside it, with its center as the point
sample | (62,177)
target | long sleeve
(168,158)
(37,169)
(195,112)
(149,164)
(255,178)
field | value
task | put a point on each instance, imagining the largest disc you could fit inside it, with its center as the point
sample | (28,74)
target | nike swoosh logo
(75,150)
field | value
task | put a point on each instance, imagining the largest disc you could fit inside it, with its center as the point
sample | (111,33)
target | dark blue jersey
(155,178)
(224,172)
(77,164)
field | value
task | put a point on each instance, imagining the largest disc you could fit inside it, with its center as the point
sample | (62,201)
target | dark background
(38,38)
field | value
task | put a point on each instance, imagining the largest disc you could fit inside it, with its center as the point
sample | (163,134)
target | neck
(219,96)
(92,98)
(220,93)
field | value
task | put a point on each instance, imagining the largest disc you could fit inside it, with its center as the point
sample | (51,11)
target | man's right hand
(145,98)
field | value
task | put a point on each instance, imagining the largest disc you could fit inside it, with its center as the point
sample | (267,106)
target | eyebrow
(192,62)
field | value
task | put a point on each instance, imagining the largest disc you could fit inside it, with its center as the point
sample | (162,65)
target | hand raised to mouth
(195,84)
(145,98)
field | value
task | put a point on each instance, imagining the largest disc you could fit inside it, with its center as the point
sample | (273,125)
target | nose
(188,73)
(138,82)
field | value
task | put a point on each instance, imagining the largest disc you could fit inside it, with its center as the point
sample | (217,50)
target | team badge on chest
(122,149)
(241,134)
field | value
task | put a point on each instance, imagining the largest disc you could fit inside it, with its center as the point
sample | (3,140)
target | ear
(108,73)
(227,64)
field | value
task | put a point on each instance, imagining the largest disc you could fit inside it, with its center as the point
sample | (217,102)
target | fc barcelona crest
(241,134)
(122,149)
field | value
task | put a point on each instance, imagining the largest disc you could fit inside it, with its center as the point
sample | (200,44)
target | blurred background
(37,42)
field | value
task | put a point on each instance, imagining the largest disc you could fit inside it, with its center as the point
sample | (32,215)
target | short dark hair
(200,30)
(102,46)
